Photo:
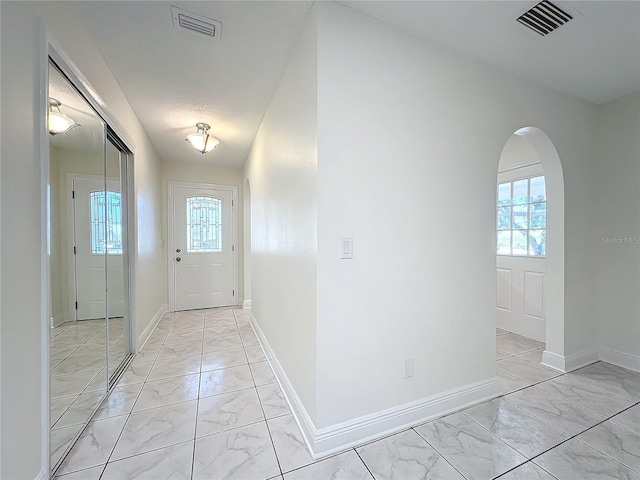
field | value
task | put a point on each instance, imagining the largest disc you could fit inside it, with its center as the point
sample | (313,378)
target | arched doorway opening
(530,243)
(247,244)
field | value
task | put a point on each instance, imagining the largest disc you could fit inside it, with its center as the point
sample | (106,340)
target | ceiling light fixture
(58,122)
(201,140)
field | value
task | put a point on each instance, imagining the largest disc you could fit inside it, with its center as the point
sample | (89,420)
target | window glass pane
(504,242)
(520,214)
(520,195)
(106,223)
(538,212)
(504,194)
(537,189)
(537,242)
(204,227)
(519,242)
(504,218)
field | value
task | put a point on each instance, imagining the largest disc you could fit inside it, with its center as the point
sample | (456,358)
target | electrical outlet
(407,367)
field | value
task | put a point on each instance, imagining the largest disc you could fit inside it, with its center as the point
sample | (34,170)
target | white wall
(205,173)
(617,238)
(282,171)
(23,308)
(409,138)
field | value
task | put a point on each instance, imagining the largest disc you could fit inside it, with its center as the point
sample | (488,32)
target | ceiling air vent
(196,23)
(544,18)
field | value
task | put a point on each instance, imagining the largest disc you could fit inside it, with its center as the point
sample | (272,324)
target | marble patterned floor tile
(99,382)
(406,455)
(80,410)
(188,326)
(249,339)
(225,380)
(79,364)
(65,385)
(244,453)
(255,354)
(120,401)
(168,391)
(155,339)
(180,349)
(575,460)
(528,471)
(290,446)
(245,328)
(173,462)
(175,367)
(524,370)
(500,354)
(223,359)
(227,411)
(262,373)
(585,395)
(159,427)
(500,331)
(509,383)
(345,466)
(615,441)
(135,373)
(60,440)
(565,416)
(59,405)
(94,445)
(92,473)
(512,347)
(630,418)
(471,449)
(181,337)
(613,379)
(221,330)
(217,322)
(216,344)
(534,356)
(273,401)
(525,340)
(525,433)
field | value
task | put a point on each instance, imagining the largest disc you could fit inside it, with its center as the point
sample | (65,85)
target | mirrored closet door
(89,301)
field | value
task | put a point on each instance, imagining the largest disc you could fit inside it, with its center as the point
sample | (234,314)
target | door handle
(178,259)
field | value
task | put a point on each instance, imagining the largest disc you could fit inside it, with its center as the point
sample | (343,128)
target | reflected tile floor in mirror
(200,401)
(78,375)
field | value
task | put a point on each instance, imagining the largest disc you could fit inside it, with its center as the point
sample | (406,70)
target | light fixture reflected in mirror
(58,122)
(201,140)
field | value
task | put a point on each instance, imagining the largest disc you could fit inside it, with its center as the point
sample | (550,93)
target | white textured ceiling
(174,78)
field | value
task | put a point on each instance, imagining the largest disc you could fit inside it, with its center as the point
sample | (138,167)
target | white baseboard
(581,359)
(246,305)
(43,474)
(553,360)
(624,360)
(339,437)
(59,319)
(144,336)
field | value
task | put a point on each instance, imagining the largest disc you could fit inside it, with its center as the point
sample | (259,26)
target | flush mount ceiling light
(58,122)
(201,140)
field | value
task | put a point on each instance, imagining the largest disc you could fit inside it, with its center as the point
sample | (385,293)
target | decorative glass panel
(520,192)
(106,223)
(504,218)
(537,190)
(519,242)
(504,242)
(538,212)
(204,225)
(520,214)
(537,242)
(504,194)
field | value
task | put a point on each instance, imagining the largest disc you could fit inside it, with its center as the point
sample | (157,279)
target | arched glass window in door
(204,224)
(106,223)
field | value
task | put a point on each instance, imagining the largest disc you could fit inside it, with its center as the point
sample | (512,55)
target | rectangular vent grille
(544,18)
(196,23)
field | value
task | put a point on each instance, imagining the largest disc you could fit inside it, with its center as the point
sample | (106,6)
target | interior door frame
(71,233)
(172,185)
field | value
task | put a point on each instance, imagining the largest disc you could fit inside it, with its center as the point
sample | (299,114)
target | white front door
(97,225)
(203,249)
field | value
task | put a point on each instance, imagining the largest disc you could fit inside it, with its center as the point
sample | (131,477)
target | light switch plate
(346,247)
